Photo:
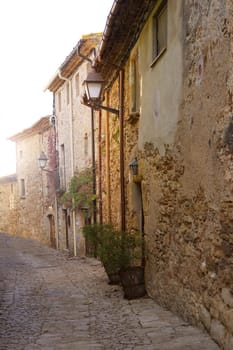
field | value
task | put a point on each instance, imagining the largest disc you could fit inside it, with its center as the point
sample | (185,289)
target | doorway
(67,224)
(138,207)
(52,231)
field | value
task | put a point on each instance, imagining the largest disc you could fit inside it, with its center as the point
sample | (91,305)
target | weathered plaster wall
(161,84)
(187,183)
(8,204)
(111,167)
(37,201)
(75,133)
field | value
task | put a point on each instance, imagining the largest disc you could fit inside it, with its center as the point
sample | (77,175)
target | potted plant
(132,274)
(105,241)
(120,253)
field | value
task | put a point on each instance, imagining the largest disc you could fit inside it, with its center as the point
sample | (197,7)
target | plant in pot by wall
(106,242)
(132,275)
(120,253)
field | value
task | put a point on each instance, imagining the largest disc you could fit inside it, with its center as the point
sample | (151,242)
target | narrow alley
(49,301)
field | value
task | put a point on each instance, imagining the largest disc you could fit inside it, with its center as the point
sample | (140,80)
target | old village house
(36,189)
(167,67)
(8,204)
(75,138)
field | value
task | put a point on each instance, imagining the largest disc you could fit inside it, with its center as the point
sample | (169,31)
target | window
(59,101)
(77,84)
(135,84)
(22,188)
(67,93)
(86,144)
(160,30)
(62,168)
(11,198)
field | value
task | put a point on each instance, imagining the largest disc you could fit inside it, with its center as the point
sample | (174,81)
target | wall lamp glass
(94,86)
(42,160)
(134,166)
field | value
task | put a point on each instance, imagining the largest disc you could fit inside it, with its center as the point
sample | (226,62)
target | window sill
(158,57)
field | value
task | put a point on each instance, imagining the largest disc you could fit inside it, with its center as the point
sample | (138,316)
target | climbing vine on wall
(80,192)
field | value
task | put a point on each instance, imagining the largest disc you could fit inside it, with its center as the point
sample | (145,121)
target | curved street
(49,301)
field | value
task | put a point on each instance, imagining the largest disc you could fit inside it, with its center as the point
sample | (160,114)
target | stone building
(36,188)
(8,204)
(75,133)
(168,70)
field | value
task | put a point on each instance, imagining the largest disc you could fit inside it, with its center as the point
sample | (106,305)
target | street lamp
(94,85)
(42,160)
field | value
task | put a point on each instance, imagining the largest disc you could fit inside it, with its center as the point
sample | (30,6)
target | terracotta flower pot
(114,278)
(132,280)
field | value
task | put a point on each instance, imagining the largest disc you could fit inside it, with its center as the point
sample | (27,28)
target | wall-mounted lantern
(134,166)
(42,160)
(94,86)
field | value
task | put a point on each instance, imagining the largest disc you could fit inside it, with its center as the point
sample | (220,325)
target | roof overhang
(73,60)
(123,27)
(39,127)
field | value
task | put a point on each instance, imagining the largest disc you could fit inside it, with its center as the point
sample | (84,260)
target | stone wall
(8,204)
(37,203)
(111,167)
(187,189)
(74,145)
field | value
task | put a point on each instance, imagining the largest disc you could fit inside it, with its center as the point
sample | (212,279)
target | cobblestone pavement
(51,302)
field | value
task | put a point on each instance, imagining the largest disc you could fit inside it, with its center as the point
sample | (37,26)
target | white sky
(35,38)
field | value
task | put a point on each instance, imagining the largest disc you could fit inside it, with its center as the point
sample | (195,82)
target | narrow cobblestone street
(49,301)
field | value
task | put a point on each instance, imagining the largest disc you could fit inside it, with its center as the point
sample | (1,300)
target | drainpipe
(71,153)
(122,171)
(109,216)
(55,176)
(100,168)
(93,163)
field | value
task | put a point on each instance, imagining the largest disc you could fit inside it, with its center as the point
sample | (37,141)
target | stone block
(227,297)
(217,331)
(228,319)
(229,343)
(205,317)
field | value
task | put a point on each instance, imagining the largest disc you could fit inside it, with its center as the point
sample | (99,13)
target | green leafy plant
(117,250)
(80,192)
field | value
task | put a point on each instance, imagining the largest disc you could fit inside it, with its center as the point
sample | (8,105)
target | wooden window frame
(59,101)
(156,51)
(77,84)
(22,188)
(68,93)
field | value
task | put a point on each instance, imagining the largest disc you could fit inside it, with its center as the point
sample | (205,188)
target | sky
(35,37)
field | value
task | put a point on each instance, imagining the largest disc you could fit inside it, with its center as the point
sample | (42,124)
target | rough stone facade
(182,137)
(74,134)
(36,204)
(187,188)
(8,204)
(111,161)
